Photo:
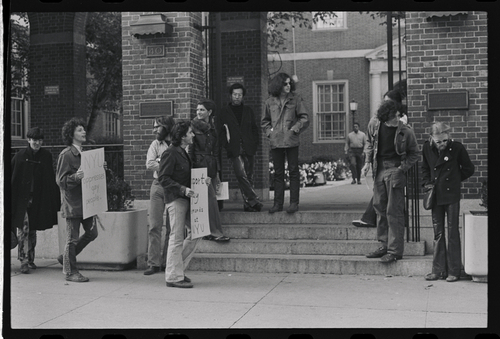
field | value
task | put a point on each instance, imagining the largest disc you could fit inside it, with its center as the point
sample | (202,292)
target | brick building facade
(448,53)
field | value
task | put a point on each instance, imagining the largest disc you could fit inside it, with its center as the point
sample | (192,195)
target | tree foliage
(277,23)
(19,49)
(104,64)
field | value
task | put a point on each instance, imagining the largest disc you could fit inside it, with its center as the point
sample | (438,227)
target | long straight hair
(278,82)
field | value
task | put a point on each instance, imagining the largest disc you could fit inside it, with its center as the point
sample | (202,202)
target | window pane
(331,113)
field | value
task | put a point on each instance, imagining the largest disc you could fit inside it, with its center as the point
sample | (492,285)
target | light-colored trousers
(180,249)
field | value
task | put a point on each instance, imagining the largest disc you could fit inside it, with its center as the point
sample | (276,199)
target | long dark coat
(28,167)
(205,149)
(246,133)
(446,170)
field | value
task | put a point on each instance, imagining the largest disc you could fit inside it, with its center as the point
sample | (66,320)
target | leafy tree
(277,23)
(19,48)
(104,64)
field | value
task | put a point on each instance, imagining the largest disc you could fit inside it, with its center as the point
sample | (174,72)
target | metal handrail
(412,195)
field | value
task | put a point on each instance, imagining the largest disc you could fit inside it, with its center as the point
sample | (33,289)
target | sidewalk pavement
(228,300)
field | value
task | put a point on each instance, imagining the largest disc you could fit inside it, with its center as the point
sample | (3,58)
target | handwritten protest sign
(94,195)
(200,224)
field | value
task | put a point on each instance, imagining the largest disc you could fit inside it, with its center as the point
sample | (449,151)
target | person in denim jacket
(285,117)
(392,150)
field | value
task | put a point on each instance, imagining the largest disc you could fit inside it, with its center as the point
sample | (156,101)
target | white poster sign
(200,224)
(223,191)
(94,195)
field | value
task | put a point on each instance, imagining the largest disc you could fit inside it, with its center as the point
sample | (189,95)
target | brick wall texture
(176,77)
(57,58)
(445,54)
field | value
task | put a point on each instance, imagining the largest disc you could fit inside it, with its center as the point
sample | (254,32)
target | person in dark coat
(239,135)
(204,152)
(446,164)
(35,196)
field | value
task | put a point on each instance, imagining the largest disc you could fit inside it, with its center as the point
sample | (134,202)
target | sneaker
(25,268)
(180,284)
(389,257)
(76,277)
(32,265)
(452,278)
(378,253)
(361,223)
(152,270)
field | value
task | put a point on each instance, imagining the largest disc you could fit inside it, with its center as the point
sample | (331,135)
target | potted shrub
(476,239)
(122,230)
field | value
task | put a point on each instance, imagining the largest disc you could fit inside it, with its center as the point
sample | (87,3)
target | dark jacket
(175,173)
(245,135)
(446,171)
(204,150)
(405,143)
(277,121)
(34,168)
(71,187)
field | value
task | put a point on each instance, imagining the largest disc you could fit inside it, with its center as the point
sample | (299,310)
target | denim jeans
(26,238)
(156,211)
(213,213)
(446,261)
(292,157)
(370,216)
(356,162)
(180,250)
(74,243)
(388,201)
(243,169)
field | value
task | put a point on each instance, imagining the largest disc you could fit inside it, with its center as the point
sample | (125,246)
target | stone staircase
(320,242)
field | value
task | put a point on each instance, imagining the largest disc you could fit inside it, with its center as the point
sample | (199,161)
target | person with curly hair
(393,150)
(69,175)
(161,129)
(284,119)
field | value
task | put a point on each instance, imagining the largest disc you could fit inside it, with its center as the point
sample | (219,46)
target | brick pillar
(57,62)
(244,55)
(177,76)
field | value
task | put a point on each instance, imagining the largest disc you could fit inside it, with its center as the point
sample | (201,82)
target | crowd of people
(389,148)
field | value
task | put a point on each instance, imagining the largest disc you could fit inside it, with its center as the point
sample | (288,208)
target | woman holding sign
(69,178)
(205,153)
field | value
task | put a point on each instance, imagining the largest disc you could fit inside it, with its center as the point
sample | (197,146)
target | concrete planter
(476,245)
(117,247)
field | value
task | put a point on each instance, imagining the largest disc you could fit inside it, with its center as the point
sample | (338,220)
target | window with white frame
(18,117)
(337,21)
(330,110)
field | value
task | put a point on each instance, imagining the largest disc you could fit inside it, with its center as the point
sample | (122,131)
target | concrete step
(310,217)
(312,264)
(299,231)
(301,247)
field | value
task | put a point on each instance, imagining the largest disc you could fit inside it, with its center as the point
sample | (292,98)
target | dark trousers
(74,243)
(243,169)
(292,157)
(356,161)
(370,216)
(388,201)
(446,261)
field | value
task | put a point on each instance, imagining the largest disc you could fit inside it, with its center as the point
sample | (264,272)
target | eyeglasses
(439,142)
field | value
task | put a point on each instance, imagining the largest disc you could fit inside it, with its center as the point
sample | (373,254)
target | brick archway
(57,70)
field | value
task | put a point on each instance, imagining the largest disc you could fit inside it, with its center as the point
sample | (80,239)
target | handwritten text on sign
(94,193)
(200,224)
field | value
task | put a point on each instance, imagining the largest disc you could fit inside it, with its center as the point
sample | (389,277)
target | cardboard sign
(94,194)
(200,223)
(223,191)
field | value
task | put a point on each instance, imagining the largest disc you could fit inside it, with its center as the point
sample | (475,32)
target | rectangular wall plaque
(448,100)
(155,51)
(155,109)
(51,90)
(235,79)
